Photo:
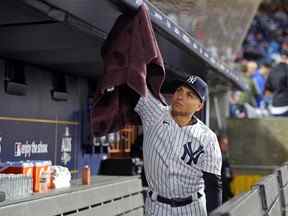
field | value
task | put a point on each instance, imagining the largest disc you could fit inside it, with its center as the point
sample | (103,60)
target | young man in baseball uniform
(182,158)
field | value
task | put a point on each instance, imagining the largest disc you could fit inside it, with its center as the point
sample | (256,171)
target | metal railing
(268,197)
(108,196)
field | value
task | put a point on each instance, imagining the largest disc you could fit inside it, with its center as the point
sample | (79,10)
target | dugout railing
(107,195)
(269,197)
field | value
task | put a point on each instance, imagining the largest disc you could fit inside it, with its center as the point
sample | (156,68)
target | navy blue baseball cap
(198,85)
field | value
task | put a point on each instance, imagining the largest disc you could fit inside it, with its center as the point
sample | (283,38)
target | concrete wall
(258,141)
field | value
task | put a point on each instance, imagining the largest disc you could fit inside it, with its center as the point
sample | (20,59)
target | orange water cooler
(41,167)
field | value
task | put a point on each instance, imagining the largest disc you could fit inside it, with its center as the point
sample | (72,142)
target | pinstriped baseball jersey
(175,157)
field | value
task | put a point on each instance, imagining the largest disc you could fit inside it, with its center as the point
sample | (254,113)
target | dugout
(50,62)
(50,57)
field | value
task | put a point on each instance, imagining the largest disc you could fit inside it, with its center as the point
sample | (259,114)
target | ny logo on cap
(191,79)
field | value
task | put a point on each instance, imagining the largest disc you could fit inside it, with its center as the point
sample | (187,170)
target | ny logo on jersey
(191,79)
(193,156)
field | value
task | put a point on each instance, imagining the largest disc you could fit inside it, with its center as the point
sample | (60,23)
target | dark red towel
(132,60)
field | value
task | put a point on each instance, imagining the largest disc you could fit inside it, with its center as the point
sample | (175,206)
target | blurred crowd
(264,64)
(268,33)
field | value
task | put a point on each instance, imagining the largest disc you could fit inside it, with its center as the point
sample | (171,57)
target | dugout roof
(66,36)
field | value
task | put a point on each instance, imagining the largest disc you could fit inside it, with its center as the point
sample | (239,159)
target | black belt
(174,202)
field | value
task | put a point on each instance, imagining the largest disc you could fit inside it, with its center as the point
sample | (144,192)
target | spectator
(277,86)
(250,95)
(259,79)
(226,171)
(236,110)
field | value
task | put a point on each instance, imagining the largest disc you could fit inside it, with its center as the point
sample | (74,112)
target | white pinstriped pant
(155,208)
